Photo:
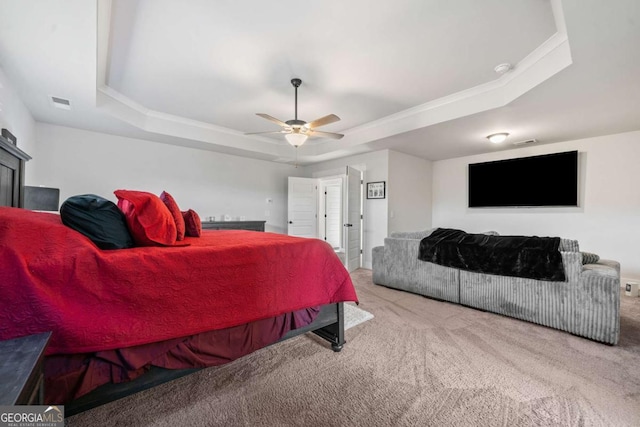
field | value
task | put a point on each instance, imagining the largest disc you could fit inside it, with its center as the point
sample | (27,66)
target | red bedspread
(53,278)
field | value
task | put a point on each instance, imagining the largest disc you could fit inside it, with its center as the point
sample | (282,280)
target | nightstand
(233,225)
(21,373)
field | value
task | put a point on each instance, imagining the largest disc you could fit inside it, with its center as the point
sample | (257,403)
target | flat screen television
(547,180)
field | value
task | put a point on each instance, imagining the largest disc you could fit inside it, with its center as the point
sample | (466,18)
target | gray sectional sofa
(586,304)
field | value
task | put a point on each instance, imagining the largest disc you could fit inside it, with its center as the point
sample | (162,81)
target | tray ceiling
(412,75)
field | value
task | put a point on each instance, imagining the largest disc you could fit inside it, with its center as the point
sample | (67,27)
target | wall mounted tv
(547,180)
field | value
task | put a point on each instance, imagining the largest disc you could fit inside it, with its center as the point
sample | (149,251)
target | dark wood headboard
(12,162)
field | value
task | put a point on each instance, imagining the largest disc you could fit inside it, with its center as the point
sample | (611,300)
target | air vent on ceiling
(58,102)
(526,141)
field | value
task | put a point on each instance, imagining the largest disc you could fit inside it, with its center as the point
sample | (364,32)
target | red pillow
(171,204)
(193,226)
(148,219)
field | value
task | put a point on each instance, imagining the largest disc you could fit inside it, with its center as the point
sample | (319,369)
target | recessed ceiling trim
(137,115)
(550,58)
(103,25)
(118,104)
(545,61)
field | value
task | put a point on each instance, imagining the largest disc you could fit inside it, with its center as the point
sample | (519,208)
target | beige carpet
(417,362)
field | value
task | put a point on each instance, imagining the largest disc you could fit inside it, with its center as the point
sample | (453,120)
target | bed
(126,320)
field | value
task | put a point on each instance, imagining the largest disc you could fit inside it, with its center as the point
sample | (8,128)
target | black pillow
(97,218)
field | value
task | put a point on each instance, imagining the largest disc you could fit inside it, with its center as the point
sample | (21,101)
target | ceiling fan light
(296,139)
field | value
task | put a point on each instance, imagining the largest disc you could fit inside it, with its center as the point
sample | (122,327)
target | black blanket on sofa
(519,256)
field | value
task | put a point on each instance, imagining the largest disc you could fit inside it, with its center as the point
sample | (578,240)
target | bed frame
(329,325)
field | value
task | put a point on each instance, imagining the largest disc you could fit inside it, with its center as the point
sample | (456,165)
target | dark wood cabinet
(233,225)
(21,374)
(12,161)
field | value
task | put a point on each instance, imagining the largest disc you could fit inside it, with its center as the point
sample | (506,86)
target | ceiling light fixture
(497,138)
(297,131)
(502,68)
(296,138)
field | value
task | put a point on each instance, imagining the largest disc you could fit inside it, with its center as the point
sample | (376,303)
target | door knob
(348,225)
(290,222)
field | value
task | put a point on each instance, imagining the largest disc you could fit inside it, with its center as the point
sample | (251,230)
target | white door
(302,201)
(333,216)
(353,218)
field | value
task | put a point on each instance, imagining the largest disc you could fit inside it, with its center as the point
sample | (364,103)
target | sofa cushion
(569,245)
(589,258)
(601,270)
(424,233)
(411,234)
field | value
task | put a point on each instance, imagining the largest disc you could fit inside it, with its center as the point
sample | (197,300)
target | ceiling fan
(297,131)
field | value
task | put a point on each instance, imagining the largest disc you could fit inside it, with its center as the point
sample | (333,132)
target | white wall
(409,192)
(607,222)
(375,166)
(16,118)
(212,184)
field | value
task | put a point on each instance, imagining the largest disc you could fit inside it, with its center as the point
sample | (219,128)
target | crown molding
(545,61)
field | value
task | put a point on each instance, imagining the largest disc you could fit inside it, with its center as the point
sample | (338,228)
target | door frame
(335,174)
(322,206)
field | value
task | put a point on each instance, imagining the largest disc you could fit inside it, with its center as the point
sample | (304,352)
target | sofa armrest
(604,273)
(403,270)
(575,270)
(572,263)
(605,263)
(400,256)
(599,298)
(377,265)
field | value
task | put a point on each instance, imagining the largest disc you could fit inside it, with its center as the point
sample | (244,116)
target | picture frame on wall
(376,190)
(9,137)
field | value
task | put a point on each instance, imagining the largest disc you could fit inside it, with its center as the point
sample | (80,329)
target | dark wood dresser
(12,160)
(233,225)
(21,375)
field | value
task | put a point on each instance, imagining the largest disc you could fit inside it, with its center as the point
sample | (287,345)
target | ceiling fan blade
(261,133)
(273,119)
(331,118)
(326,134)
